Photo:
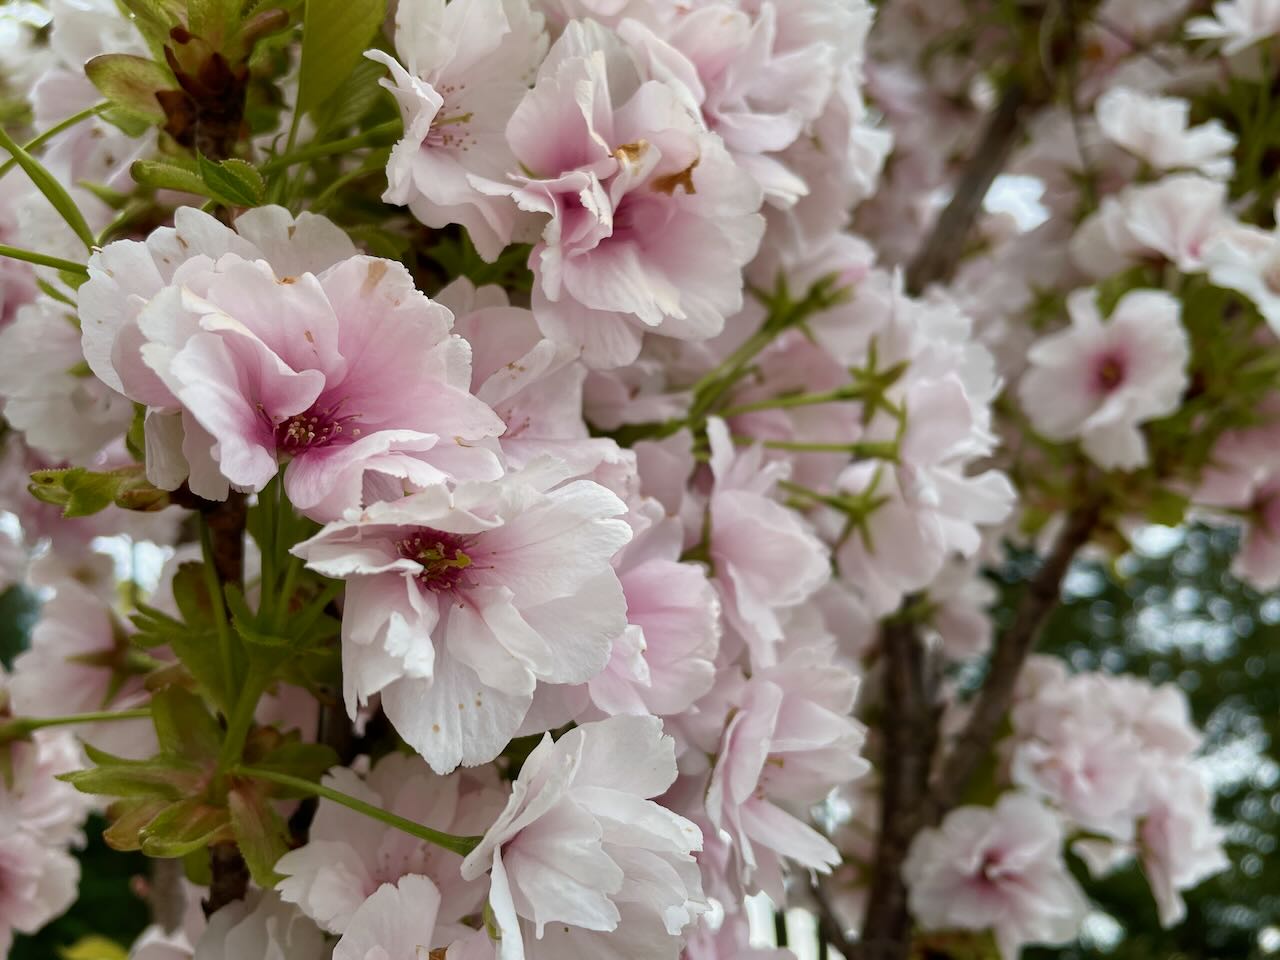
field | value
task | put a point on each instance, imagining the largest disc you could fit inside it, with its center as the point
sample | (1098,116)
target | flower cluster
(517,478)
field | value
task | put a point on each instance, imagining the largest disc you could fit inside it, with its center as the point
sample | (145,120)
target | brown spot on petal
(287,280)
(293,228)
(310,337)
(435,728)
(377,270)
(684,178)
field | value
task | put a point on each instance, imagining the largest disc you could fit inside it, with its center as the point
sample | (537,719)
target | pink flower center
(442,555)
(315,428)
(1109,373)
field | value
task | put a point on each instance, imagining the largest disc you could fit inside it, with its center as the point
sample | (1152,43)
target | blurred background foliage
(1168,611)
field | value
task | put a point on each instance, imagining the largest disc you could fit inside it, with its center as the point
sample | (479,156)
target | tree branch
(938,258)
(909,732)
(1011,652)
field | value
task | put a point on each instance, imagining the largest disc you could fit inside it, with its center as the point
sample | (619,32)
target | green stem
(372,137)
(842,395)
(286,592)
(43,138)
(217,603)
(52,189)
(239,723)
(24,725)
(459,845)
(870,450)
(43,259)
(331,191)
(716,383)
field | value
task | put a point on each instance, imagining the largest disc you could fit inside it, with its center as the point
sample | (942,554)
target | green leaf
(159,777)
(352,102)
(335,33)
(213,20)
(184,726)
(128,817)
(259,832)
(233,181)
(184,827)
(53,191)
(167,176)
(130,83)
(308,761)
(1167,508)
(82,492)
(154,19)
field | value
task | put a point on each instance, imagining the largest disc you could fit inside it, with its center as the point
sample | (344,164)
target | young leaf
(353,100)
(335,34)
(53,191)
(307,761)
(259,832)
(167,176)
(184,725)
(233,181)
(131,83)
(169,778)
(82,492)
(184,827)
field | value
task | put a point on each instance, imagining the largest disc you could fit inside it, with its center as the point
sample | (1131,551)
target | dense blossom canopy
(571,437)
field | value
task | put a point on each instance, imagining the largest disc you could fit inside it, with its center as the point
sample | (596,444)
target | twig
(938,258)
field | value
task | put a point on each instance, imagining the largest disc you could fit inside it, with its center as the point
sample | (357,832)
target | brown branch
(908,735)
(1011,651)
(230,877)
(938,258)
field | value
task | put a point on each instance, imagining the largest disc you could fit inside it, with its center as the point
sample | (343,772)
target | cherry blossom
(1101,380)
(460,603)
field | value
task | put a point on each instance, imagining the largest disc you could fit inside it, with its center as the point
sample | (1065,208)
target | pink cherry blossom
(459,604)
(533,384)
(79,661)
(755,583)
(349,858)
(260,925)
(581,851)
(337,375)
(1179,843)
(1101,380)
(665,659)
(466,65)
(1238,23)
(996,868)
(65,414)
(1175,219)
(1156,129)
(37,882)
(1246,259)
(396,922)
(649,220)
(788,741)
